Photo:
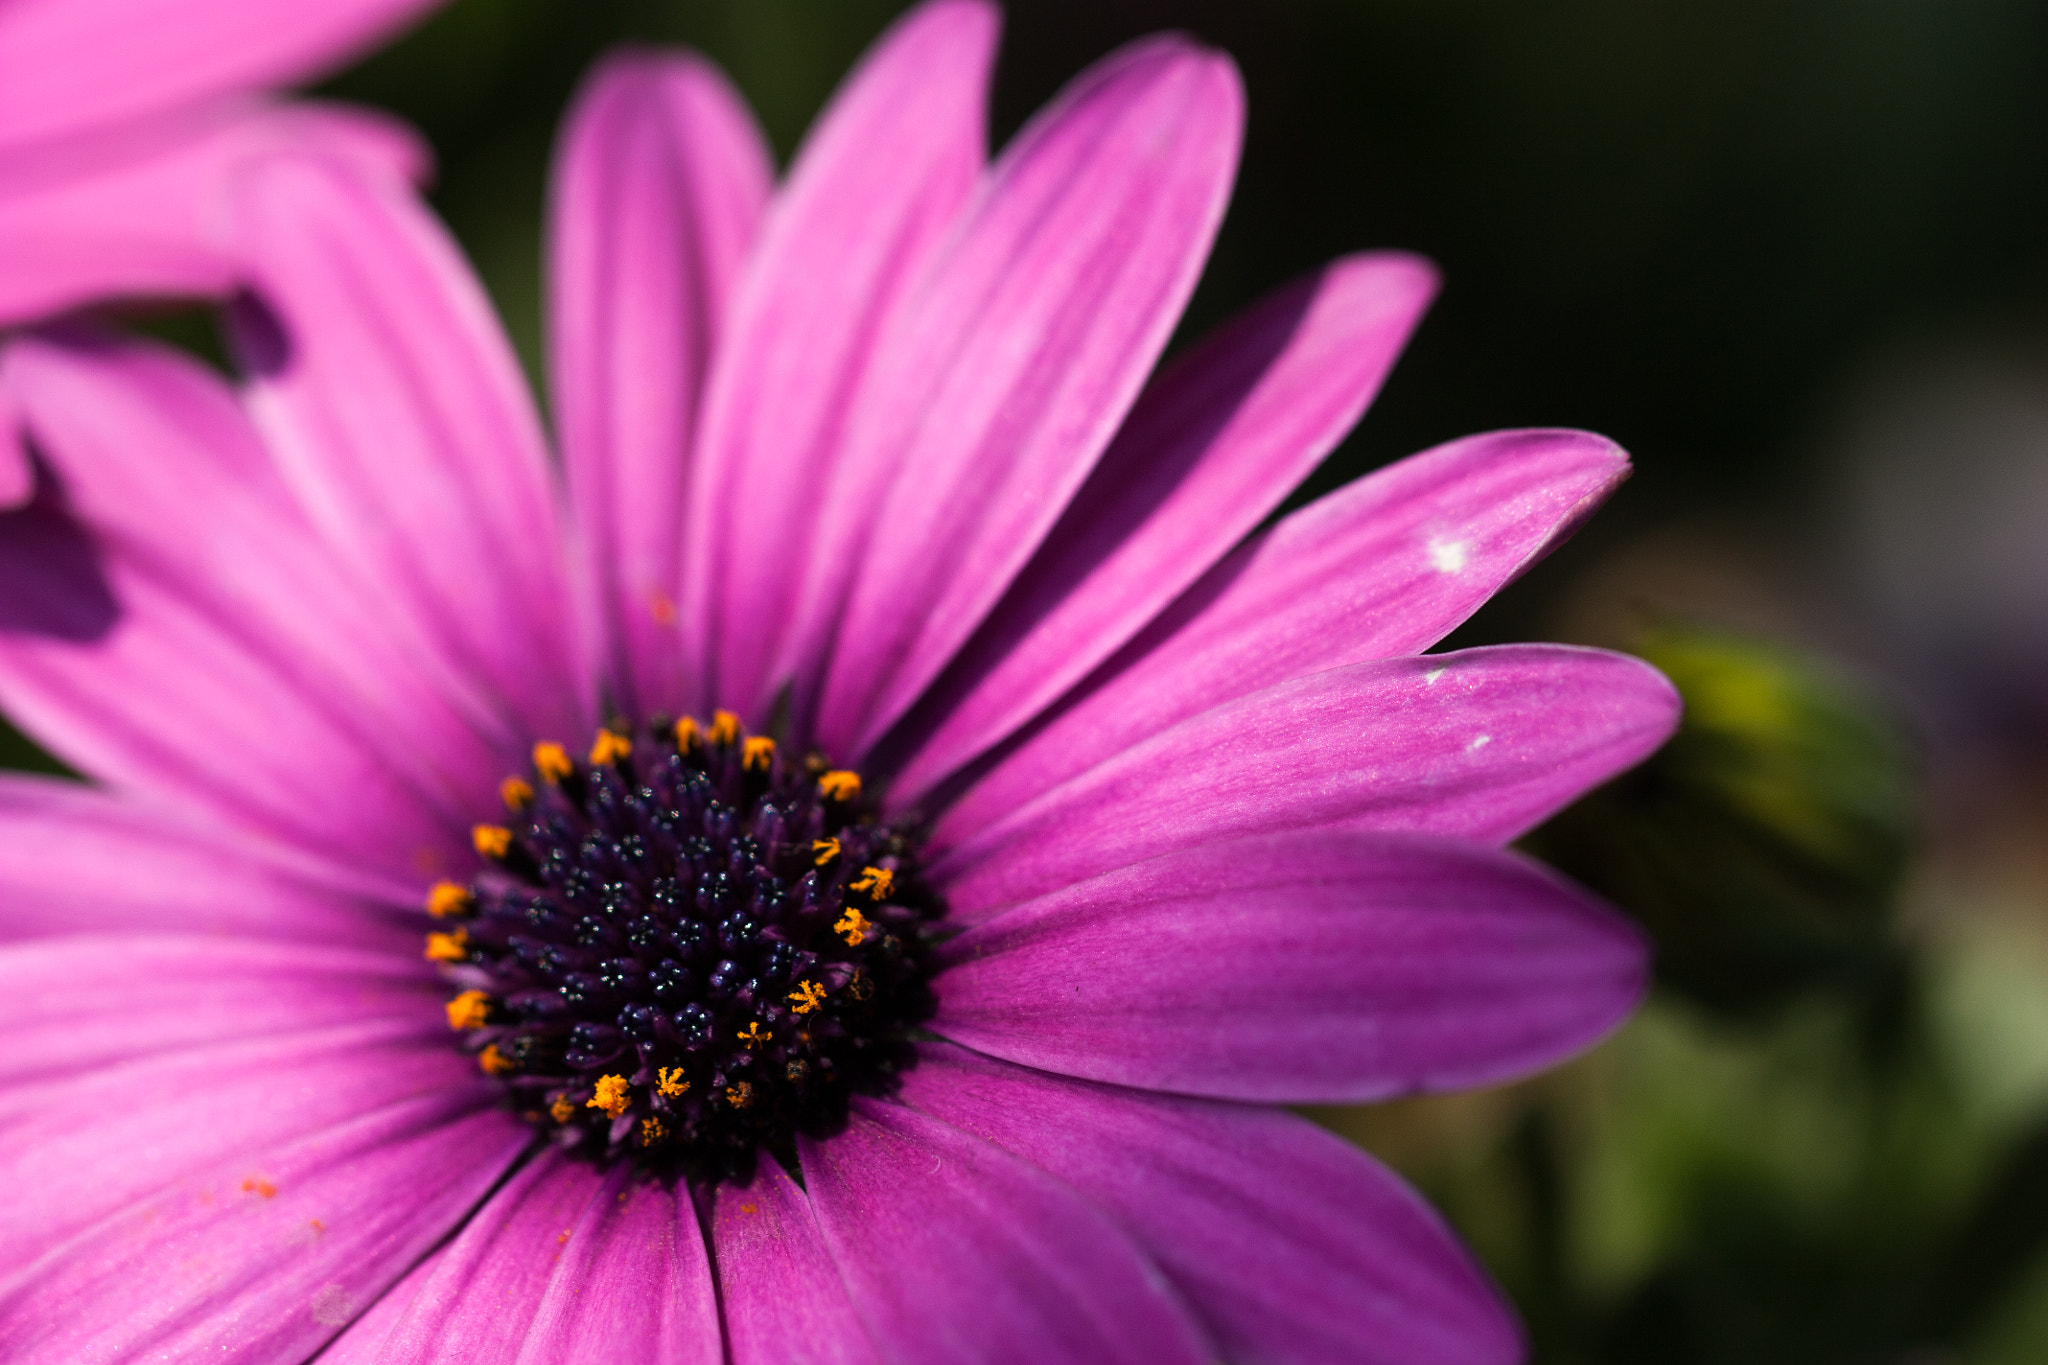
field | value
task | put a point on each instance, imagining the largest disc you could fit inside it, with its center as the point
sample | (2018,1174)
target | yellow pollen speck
(757,753)
(739,1096)
(494,1062)
(562,1110)
(551,761)
(725,727)
(448,900)
(493,841)
(452,947)
(852,926)
(609,747)
(516,793)
(754,1034)
(669,1081)
(651,1131)
(686,734)
(840,785)
(613,1096)
(824,850)
(471,1009)
(807,996)
(876,881)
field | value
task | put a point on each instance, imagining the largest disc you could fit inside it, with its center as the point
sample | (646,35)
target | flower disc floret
(687,947)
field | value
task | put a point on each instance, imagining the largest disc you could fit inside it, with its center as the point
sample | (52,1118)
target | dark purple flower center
(688,947)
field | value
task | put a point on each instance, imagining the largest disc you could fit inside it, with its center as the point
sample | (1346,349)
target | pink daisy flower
(989,820)
(120,120)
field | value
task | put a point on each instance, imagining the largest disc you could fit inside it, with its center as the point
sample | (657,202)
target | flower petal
(398,415)
(1212,446)
(563,1265)
(1296,968)
(1386,566)
(1484,744)
(138,999)
(76,860)
(138,211)
(67,65)
(210,1272)
(784,1301)
(239,1202)
(882,175)
(660,181)
(235,671)
(1028,343)
(956,1252)
(1293,1247)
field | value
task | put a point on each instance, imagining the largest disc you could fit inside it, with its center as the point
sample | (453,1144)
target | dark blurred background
(1792,254)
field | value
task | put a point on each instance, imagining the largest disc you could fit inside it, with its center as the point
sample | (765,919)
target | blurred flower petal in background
(121,120)
(874,465)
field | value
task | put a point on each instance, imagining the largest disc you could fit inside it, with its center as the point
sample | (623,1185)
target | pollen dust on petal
(256,1184)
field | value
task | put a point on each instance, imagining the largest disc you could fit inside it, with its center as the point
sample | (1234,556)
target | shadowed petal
(151,994)
(564,1265)
(880,178)
(1483,744)
(1385,566)
(784,1301)
(660,181)
(1293,1247)
(400,419)
(1294,968)
(139,211)
(1026,347)
(1212,446)
(956,1252)
(67,65)
(76,860)
(235,671)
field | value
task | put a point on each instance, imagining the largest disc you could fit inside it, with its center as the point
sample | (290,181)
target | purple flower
(941,1029)
(121,119)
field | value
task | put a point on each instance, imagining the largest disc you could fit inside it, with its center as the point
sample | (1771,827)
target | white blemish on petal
(1479,742)
(333,1306)
(1449,556)
(1431,676)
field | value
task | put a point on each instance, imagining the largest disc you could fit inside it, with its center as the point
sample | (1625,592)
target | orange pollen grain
(876,881)
(725,727)
(448,900)
(739,1096)
(757,753)
(754,1034)
(609,747)
(562,1110)
(471,1009)
(669,1081)
(686,734)
(449,947)
(807,996)
(840,785)
(494,1062)
(516,793)
(613,1096)
(651,1131)
(824,851)
(551,761)
(852,926)
(492,841)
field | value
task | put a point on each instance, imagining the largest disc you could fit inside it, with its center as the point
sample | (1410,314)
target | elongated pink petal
(564,1265)
(1386,566)
(264,1257)
(392,401)
(152,994)
(75,860)
(237,670)
(1028,344)
(140,211)
(17,474)
(784,1301)
(1483,744)
(880,178)
(956,1252)
(660,182)
(67,65)
(1293,1247)
(1294,968)
(1213,445)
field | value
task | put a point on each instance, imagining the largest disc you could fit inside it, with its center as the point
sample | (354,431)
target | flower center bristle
(686,946)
